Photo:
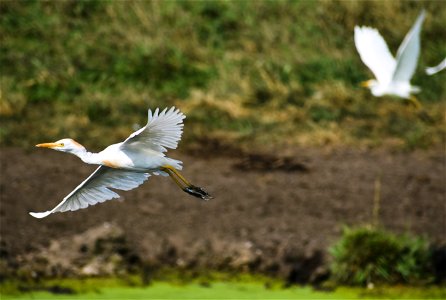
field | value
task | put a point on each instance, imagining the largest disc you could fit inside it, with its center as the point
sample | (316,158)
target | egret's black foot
(197,192)
(425,117)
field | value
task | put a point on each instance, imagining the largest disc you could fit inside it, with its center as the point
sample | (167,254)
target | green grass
(113,289)
(243,71)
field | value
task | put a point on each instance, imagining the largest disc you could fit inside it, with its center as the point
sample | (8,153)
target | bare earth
(268,212)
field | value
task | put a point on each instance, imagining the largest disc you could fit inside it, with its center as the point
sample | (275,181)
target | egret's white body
(433,70)
(125,166)
(392,75)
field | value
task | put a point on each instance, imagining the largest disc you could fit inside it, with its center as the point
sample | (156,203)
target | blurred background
(306,167)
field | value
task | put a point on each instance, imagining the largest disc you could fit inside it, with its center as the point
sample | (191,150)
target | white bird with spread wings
(392,75)
(125,166)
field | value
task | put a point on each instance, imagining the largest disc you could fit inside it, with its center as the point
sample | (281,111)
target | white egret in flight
(126,165)
(437,68)
(392,75)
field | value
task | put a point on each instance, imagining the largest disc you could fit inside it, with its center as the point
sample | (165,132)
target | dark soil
(276,214)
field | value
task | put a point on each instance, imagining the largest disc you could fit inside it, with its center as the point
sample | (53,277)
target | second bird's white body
(398,89)
(392,75)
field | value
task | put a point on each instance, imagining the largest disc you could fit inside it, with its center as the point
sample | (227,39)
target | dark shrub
(366,255)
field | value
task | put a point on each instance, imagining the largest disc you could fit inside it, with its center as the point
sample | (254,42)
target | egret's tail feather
(177,164)
(415,89)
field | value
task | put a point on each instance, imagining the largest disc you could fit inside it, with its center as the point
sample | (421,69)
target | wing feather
(96,189)
(437,68)
(374,53)
(408,52)
(163,130)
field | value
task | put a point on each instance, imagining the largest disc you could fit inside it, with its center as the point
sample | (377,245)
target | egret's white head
(64,145)
(375,87)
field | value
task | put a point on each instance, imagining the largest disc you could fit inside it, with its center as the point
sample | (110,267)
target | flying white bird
(392,75)
(125,166)
(437,68)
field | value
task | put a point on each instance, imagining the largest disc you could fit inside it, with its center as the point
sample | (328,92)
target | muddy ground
(272,213)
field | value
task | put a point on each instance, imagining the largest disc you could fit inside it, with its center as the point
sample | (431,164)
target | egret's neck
(87,157)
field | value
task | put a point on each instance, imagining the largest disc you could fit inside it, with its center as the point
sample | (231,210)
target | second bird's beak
(366,83)
(49,145)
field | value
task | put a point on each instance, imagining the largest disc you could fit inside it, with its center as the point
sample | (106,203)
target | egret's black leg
(186,186)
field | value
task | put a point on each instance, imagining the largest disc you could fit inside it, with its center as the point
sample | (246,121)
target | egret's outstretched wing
(163,130)
(374,53)
(408,52)
(437,68)
(96,189)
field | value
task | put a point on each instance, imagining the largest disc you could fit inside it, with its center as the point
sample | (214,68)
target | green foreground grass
(262,72)
(115,289)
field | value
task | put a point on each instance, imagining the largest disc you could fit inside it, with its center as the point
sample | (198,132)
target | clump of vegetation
(286,71)
(367,255)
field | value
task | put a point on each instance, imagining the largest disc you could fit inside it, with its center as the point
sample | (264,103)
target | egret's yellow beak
(366,83)
(49,145)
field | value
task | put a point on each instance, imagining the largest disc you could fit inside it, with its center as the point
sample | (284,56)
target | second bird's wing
(374,53)
(163,130)
(408,52)
(437,68)
(96,189)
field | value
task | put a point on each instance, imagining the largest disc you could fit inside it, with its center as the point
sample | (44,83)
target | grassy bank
(243,72)
(245,289)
